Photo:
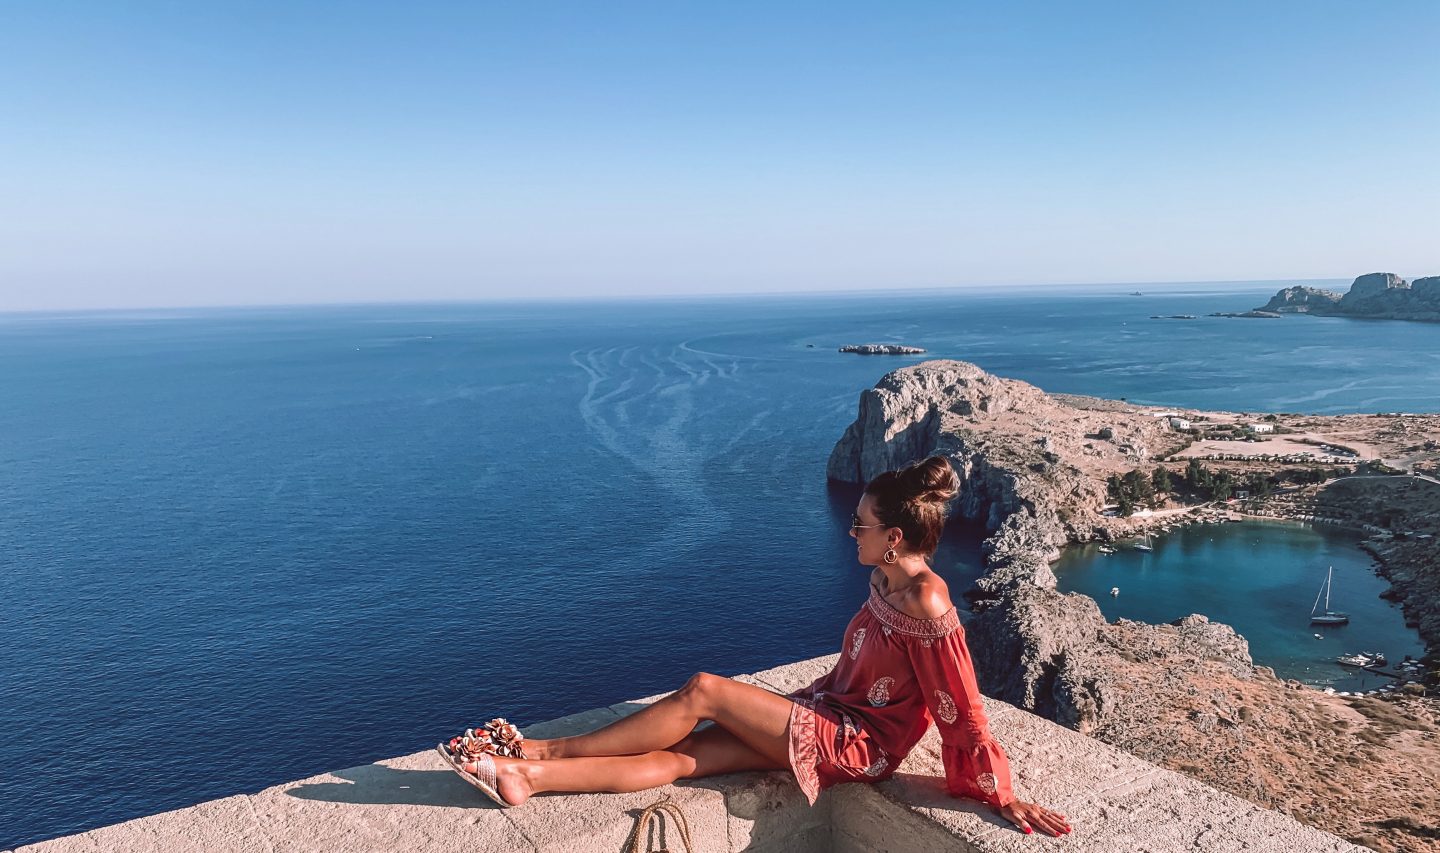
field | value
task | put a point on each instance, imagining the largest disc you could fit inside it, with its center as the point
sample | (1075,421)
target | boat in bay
(1363,660)
(1328,617)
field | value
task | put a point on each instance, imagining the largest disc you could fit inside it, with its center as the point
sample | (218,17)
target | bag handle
(669,808)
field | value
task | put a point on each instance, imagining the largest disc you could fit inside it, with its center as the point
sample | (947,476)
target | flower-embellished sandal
(483,777)
(497,737)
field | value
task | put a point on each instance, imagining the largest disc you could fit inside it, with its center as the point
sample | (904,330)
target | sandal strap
(485,770)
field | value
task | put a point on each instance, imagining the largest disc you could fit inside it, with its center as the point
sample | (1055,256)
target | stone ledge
(1114,800)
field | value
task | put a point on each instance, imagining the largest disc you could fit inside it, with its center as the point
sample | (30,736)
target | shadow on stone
(376,784)
(928,792)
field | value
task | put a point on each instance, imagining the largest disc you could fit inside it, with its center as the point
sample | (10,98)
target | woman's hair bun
(930,480)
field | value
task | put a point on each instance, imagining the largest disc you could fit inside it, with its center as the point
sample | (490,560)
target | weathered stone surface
(1115,802)
(791,677)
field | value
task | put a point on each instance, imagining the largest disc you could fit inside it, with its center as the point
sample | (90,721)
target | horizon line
(642,297)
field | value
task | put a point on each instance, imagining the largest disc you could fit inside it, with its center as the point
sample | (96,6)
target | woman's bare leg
(704,753)
(754,715)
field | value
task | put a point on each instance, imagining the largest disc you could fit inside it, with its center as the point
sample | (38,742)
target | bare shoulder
(929,599)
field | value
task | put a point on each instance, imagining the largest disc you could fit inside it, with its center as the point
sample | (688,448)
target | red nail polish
(1028,830)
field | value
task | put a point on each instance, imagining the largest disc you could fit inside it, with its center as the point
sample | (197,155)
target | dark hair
(915,499)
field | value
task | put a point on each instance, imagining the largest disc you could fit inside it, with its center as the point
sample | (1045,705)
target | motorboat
(1363,660)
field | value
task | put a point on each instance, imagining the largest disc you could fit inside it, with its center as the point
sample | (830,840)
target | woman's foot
(511,778)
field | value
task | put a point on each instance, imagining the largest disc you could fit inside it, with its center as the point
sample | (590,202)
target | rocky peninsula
(1376,296)
(881,349)
(1039,471)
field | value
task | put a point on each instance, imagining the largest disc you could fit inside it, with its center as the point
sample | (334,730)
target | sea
(243,546)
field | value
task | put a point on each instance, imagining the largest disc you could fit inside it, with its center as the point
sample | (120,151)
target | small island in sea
(1257,314)
(881,349)
(1043,471)
(1375,296)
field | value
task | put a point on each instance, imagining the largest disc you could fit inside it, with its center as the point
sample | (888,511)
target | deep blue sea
(239,547)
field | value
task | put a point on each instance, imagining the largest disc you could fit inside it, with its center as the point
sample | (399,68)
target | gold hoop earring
(891,556)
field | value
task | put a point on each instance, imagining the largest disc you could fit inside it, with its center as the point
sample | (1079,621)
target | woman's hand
(1026,815)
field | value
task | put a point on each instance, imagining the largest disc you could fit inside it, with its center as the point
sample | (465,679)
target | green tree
(1114,487)
(1222,487)
(1160,479)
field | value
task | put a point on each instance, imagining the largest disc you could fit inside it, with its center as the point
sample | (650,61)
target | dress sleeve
(975,765)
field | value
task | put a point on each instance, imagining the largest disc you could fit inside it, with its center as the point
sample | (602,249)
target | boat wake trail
(640,405)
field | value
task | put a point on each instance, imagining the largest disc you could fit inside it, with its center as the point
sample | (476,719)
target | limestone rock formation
(1055,655)
(1302,300)
(1376,295)
(1031,470)
(1371,286)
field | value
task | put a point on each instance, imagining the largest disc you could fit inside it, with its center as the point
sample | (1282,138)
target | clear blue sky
(181,153)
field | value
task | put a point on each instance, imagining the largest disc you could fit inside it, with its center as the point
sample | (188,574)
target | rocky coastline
(881,349)
(1034,469)
(1375,296)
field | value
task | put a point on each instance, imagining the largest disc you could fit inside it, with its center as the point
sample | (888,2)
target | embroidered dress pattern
(945,706)
(803,752)
(859,721)
(856,643)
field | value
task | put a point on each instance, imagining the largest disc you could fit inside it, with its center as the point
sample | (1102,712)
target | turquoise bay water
(394,521)
(1262,578)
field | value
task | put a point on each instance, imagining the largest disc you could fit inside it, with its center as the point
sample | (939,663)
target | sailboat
(1143,546)
(1329,617)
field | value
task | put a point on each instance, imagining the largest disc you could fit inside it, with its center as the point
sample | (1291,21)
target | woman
(902,665)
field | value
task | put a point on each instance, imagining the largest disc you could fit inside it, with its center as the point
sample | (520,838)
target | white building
(1259,428)
(1179,423)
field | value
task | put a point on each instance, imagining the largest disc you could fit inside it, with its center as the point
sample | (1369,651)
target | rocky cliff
(1376,295)
(1032,466)
(1186,695)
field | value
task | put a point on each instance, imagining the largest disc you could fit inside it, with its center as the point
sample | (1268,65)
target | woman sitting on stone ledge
(903,663)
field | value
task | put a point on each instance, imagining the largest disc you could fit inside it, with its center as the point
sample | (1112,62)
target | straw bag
(670,810)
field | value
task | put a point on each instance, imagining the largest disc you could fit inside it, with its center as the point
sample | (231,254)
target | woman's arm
(975,764)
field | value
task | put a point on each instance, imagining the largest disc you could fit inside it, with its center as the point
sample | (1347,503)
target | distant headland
(1376,296)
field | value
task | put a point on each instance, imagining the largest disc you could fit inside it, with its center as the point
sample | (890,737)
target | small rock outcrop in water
(1376,295)
(881,349)
(1256,314)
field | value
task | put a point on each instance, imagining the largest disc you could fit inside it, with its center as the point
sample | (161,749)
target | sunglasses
(856,525)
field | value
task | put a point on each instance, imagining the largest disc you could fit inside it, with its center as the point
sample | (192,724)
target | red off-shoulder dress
(896,674)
